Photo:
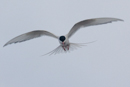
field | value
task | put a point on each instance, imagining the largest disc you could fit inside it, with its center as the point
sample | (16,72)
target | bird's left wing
(90,22)
(30,35)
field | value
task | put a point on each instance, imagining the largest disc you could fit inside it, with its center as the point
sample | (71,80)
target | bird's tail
(72,46)
(55,51)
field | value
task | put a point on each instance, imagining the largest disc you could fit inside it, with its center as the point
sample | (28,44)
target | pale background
(105,63)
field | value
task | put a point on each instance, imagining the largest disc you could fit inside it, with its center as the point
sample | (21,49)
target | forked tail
(72,46)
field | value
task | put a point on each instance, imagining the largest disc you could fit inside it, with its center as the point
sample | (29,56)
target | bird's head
(62,39)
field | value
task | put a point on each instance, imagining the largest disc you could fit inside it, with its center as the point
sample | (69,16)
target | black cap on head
(62,38)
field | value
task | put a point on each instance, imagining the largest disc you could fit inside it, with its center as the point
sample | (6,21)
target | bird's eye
(62,38)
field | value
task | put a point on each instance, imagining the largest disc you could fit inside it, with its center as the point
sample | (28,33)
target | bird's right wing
(30,35)
(91,22)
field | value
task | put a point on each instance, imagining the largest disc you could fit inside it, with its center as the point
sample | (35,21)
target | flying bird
(65,45)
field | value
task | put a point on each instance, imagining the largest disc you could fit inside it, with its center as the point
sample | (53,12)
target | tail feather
(72,46)
(55,51)
(79,45)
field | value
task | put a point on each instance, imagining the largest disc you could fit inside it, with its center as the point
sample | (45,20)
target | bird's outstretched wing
(30,35)
(90,22)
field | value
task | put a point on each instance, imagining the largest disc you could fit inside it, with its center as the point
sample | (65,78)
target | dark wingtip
(4,45)
(121,20)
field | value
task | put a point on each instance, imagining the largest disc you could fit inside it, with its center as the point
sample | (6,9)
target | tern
(65,45)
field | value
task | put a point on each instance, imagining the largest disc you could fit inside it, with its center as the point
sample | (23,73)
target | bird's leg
(63,48)
(68,47)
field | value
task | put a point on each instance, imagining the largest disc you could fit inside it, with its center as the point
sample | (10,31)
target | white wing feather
(30,35)
(90,22)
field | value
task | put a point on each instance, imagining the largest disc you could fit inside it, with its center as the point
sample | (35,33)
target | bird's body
(65,45)
(64,42)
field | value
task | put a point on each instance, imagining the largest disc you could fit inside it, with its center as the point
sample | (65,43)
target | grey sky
(105,63)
